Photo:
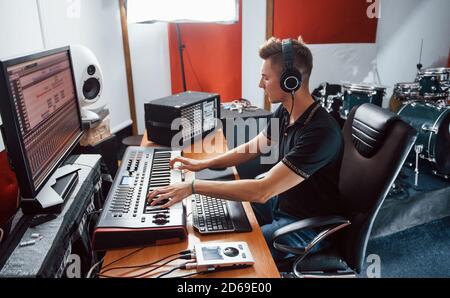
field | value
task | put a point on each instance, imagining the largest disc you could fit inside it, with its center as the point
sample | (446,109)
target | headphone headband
(288,57)
(291,78)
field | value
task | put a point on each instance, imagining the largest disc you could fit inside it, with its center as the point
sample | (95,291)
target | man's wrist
(193,186)
(209,163)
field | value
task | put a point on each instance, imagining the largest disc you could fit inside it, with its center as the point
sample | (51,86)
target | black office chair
(376,143)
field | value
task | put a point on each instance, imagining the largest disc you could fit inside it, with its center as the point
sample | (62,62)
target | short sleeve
(313,150)
(277,116)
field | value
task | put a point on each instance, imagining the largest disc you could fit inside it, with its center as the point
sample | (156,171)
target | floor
(421,251)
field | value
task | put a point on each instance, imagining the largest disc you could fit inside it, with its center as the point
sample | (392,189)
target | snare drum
(432,123)
(434,83)
(403,92)
(357,94)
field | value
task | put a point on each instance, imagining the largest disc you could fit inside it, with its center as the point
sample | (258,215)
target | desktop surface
(264,267)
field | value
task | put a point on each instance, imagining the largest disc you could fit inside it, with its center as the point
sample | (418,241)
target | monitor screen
(40,112)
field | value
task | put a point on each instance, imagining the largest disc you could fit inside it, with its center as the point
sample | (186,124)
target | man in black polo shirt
(304,181)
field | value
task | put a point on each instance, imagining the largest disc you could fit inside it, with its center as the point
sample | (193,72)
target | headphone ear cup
(290,80)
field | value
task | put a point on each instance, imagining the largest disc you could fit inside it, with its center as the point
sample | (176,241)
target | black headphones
(291,78)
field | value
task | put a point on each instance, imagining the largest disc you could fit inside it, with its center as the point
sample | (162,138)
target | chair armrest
(336,222)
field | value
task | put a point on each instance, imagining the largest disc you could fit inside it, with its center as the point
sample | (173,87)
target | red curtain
(212,58)
(324,21)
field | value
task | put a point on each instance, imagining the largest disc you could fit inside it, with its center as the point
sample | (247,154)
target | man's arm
(242,153)
(279,179)
(238,155)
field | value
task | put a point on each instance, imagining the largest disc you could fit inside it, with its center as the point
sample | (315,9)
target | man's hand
(174,193)
(193,165)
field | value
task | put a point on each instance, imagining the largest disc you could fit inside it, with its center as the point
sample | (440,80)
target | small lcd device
(225,254)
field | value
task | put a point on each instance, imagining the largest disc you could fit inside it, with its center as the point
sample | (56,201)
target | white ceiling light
(180,11)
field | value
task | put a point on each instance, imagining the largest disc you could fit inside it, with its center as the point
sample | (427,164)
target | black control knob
(230,251)
(160,221)
(160,216)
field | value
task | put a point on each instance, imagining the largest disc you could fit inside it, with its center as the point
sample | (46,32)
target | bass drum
(403,93)
(432,123)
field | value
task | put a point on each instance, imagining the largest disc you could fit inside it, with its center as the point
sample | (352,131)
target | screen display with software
(40,112)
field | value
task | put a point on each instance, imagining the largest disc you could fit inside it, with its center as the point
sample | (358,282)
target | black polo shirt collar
(303,119)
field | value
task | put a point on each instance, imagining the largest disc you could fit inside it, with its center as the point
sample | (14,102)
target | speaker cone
(91,88)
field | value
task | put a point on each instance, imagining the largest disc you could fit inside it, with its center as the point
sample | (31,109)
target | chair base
(319,274)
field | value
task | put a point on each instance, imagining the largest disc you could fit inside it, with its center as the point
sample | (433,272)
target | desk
(264,267)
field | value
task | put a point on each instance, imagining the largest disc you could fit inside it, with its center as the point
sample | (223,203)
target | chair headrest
(369,127)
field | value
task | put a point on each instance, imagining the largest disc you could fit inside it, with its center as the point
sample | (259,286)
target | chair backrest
(376,143)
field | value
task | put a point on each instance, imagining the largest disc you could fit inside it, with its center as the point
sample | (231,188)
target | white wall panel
(96,25)
(19,31)
(253,36)
(403,24)
(149,48)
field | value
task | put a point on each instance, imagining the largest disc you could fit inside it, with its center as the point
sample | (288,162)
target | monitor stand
(52,197)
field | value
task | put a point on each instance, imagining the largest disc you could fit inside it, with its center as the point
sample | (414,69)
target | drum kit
(340,101)
(424,104)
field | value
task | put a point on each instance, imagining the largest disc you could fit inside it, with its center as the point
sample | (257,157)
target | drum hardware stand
(418,149)
(440,175)
(376,74)
(324,89)
(328,103)
(422,156)
(345,113)
(419,65)
(330,100)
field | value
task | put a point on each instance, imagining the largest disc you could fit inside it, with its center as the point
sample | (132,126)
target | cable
(290,113)
(125,256)
(140,274)
(88,275)
(186,257)
(205,271)
(292,106)
(190,274)
(168,272)
(192,67)
(159,266)
(1,235)
(115,261)
(187,266)
(182,253)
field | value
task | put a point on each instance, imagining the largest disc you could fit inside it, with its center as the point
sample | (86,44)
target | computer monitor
(40,113)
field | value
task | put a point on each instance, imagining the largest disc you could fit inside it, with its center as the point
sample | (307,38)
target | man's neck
(302,101)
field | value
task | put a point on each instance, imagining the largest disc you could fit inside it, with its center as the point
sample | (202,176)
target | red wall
(324,21)
(8,190)
(212,58)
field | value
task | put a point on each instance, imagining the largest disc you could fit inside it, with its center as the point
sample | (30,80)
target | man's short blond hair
(303,60)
